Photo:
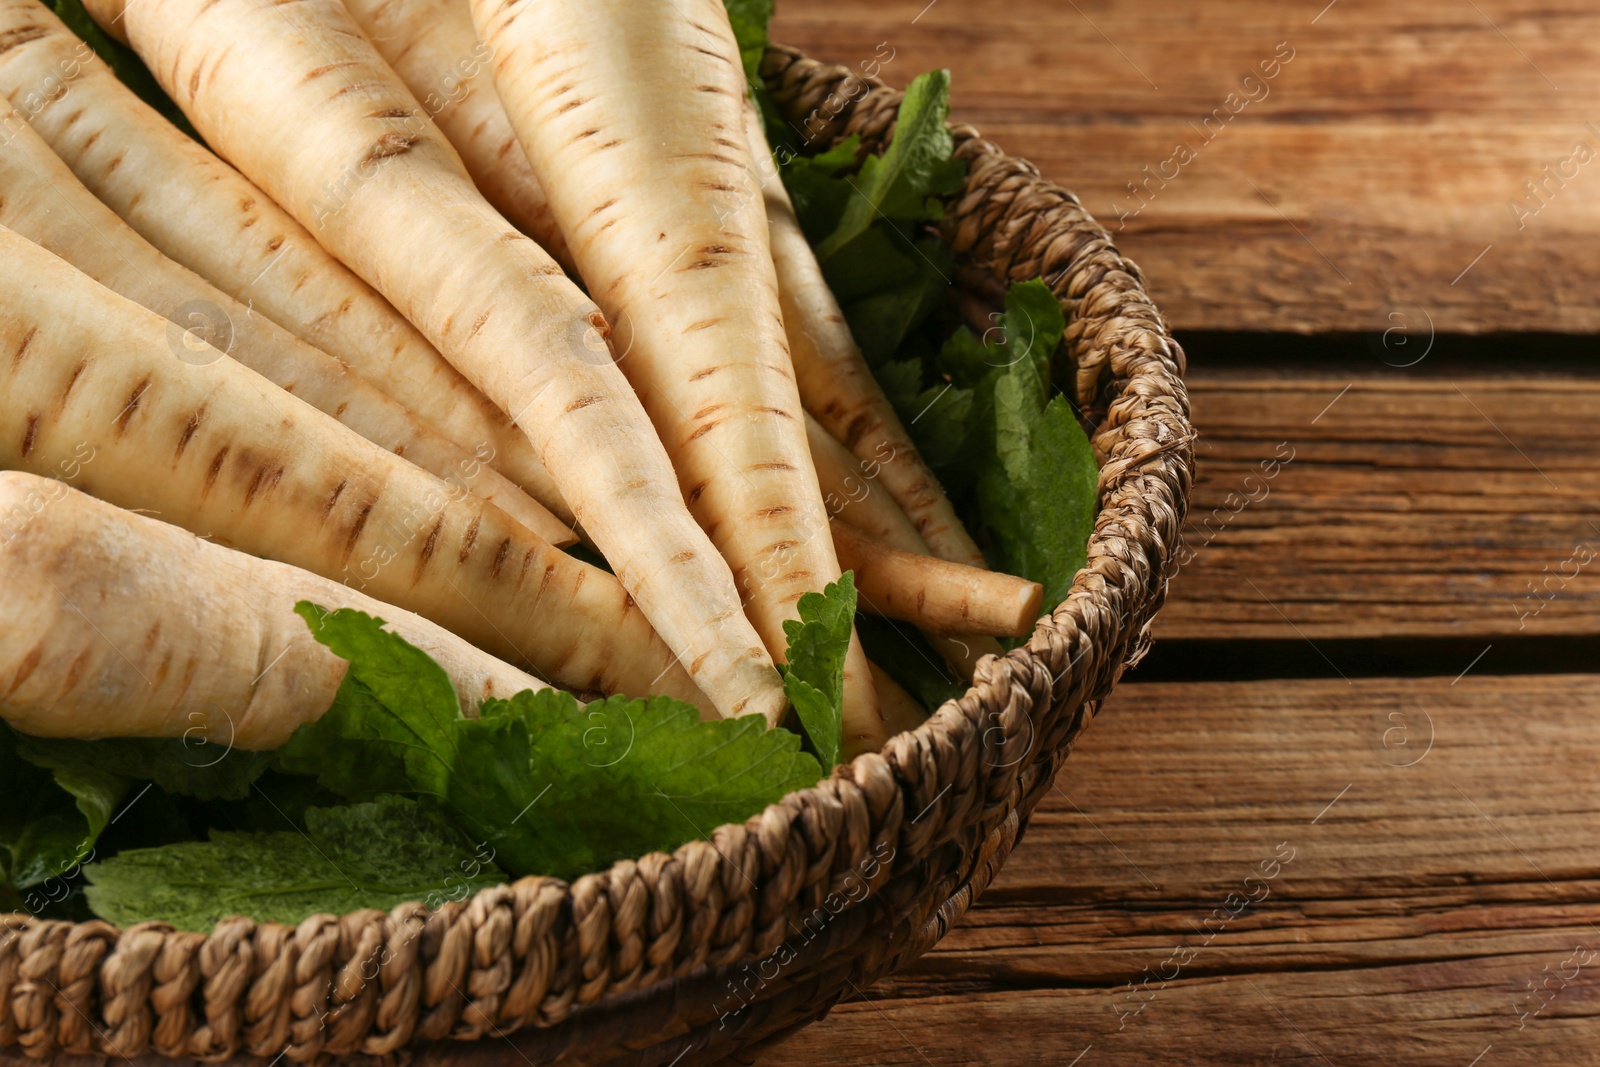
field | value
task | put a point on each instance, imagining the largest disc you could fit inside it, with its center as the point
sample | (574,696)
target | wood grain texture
(1436,866)
(1378,163)
(1351,506)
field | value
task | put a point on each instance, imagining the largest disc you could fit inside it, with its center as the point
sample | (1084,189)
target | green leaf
(186,767)
(50,817)
(905,182)
(392,727)
(553,787)
(404,677)
(880,258)
(376,855)
(945,422)
(814,674)
(1039,499)
(982,416)
(614,779)
(901,380)
(750,19)
(1031,328)
(1038,491)
(907,657)
(816,188)
(965,359)
(883,320)
(122,60)
(277,801)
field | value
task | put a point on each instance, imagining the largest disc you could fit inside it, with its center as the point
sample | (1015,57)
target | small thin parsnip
(938,596)
(835,382)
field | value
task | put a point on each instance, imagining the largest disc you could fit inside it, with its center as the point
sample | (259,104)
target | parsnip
(45,203)
(835,382)
(117,625)
(434,48)
(631,114)
(205,215)
(900,709)
(898,577)
(298,99)
(851,491)
(940,597)
(217,449)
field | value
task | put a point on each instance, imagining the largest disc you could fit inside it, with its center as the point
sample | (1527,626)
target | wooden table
(1349,808)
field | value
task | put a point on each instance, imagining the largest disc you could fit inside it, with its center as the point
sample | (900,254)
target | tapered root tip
(1030,602)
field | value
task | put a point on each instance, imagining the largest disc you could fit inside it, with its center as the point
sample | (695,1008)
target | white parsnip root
(835,382)
(434,47)
(87,377)
(853,494)
(45,203)
(900,709)
(296,98)
(851,491)
(117,625)
(203,214)
(938,596)
(631,114)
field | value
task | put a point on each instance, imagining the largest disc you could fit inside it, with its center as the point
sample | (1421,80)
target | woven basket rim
(331,985)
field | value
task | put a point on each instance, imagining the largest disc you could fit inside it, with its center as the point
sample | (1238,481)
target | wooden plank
(1378,164)
(1345,505)
(1421,856)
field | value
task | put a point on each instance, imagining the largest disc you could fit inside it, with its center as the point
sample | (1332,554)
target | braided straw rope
(765,925)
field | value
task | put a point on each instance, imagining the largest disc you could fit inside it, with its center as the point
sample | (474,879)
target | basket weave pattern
(764,925)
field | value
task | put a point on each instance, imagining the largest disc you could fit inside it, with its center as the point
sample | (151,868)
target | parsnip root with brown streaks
(296,98)
(87,377)
(117,625)
(45,203)
(205,215)
(631,113)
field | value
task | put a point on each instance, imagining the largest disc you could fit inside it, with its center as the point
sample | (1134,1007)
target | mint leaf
(868,226)
(392,727)
(375,855)
(1039,499)
(193,767)
(50,817)
(360,749)
(814,674)
(905,182)
(552,787)
(815,185)
(1030,330)
(982,416)
(882,320)
(404,677)
(1038,492)
(905,655)
(560,789)
(750,19)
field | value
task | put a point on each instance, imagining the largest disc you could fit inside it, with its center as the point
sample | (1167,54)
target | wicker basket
(765,926)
